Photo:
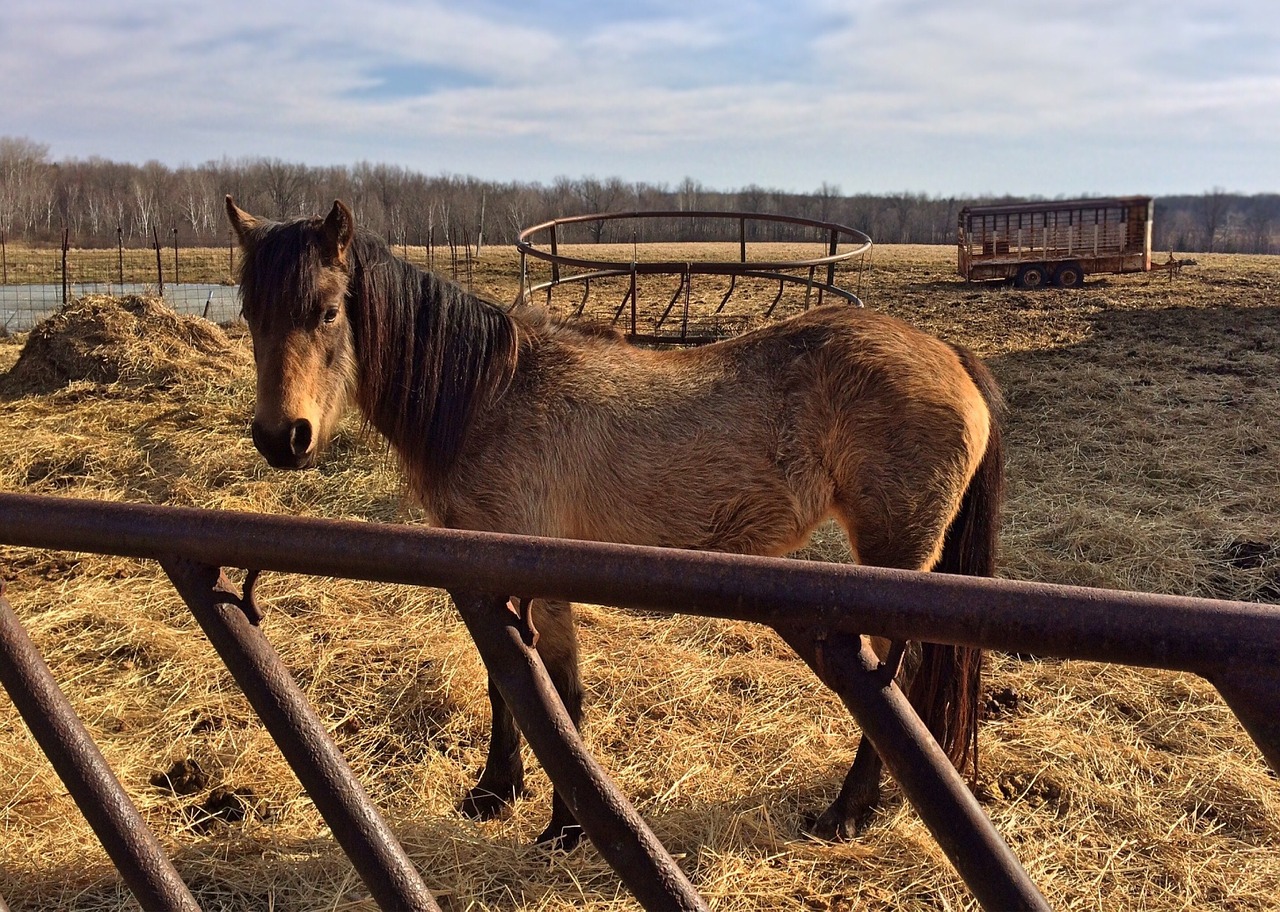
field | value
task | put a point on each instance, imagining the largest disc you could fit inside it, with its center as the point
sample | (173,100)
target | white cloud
(924,95)
(630,38)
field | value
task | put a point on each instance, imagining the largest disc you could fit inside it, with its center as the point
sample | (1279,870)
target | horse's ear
(338,231)
(241,222)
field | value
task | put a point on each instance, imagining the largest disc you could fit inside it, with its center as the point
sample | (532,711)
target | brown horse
(514,422)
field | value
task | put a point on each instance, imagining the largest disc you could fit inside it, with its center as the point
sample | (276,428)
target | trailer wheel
(1069,275)
(1031,276)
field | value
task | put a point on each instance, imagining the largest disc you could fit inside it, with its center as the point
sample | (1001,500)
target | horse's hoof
(559,838)
(827,827)
(486,804)
(833,826)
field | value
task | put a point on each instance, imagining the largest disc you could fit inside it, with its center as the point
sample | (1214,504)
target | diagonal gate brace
(114,818)
(613,825)
(938,793)
(227,619)
(1253,693)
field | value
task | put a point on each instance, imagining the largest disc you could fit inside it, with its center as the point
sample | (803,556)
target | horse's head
(293,286)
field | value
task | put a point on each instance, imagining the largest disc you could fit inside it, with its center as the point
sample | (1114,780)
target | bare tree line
(100,202)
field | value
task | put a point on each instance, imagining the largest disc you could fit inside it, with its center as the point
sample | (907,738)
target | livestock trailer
(1059,242)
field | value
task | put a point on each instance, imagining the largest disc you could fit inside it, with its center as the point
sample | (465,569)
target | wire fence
(36,281)
(23,306)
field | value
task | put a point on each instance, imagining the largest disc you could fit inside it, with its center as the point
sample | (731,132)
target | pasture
(1142,433)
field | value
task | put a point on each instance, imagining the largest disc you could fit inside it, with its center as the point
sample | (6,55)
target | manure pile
(133,340)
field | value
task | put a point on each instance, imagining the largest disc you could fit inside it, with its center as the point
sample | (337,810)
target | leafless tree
(24,178)
(1213,214)
(93,197)
(1260,221)
(284,184)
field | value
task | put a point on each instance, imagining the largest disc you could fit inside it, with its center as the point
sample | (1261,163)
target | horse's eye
(331,314)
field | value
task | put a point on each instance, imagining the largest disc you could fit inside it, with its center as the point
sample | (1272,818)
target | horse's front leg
(502,780)
(503,777)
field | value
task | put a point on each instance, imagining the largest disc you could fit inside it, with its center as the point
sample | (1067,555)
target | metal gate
(1235,645)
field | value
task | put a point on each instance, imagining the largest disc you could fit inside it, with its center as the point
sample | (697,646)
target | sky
(945,98)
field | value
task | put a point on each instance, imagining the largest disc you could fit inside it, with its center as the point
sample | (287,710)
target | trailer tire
(1030,276)
(1069,275)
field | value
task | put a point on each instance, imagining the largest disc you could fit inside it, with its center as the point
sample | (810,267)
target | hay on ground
(1142,430)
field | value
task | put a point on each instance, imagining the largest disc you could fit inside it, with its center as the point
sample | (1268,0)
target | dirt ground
(1144,415)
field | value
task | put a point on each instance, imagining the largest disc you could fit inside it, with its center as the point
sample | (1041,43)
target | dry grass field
(1144,453)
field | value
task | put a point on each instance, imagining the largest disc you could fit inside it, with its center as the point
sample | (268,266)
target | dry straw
(1142,435)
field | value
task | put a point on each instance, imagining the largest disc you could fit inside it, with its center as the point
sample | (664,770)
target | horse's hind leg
(858,799)
(860,793)
(911,543)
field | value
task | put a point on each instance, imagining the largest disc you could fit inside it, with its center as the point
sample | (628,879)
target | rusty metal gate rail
(1235,645)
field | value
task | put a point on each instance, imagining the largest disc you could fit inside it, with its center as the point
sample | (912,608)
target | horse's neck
(428,367)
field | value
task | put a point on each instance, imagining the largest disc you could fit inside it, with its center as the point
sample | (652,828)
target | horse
(507,420)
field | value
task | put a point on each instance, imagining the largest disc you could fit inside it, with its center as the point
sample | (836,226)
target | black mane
(430,354)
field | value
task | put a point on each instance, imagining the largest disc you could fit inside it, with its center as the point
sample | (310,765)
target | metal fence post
(65,280)
(155,237)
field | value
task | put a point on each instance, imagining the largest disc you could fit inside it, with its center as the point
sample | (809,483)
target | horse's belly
(752,511)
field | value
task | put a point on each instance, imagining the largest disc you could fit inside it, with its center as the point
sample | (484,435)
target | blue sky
(944,98)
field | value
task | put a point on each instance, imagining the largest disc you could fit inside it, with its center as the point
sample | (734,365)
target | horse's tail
(947,688)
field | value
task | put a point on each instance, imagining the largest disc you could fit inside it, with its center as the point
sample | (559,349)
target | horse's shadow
(475,852)
(1166,417)
(463,864)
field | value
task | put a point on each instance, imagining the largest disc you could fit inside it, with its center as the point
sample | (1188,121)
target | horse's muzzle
(291,447)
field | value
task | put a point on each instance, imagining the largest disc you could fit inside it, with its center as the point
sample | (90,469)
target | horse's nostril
(300,437)
(259,434)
